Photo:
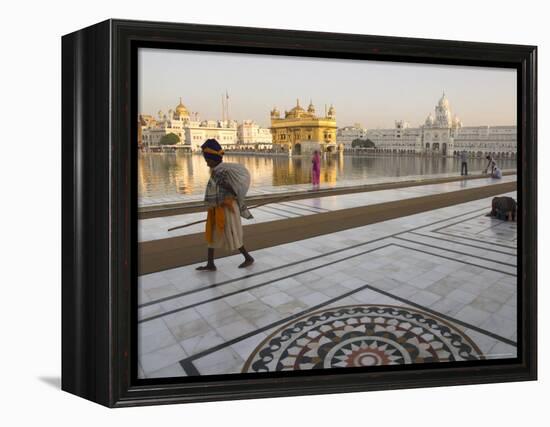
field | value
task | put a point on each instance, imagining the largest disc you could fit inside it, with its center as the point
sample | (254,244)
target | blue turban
(212,149)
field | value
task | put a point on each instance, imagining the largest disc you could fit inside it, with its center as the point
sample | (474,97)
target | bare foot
(247,262)
(207,267)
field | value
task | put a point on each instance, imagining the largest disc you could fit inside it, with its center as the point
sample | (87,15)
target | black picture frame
(99,210)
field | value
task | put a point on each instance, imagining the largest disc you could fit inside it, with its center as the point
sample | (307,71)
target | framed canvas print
(257,213)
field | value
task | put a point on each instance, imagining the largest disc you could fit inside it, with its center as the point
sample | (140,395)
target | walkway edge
(179,208)
(164,254)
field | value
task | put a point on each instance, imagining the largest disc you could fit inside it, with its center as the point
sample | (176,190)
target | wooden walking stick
(187,225)
(252,207)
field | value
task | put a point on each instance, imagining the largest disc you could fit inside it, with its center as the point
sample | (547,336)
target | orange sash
(216,217)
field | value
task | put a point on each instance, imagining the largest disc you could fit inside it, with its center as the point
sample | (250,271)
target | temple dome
(429,120)
(296,112)
(444,102)
(181,110)
(298,108)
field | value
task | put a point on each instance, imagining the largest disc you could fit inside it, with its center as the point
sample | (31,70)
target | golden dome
(297,111)
(181,110)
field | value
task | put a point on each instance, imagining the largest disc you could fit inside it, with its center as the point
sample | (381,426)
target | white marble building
(444,134)
(348,134)
(191,131)
(250,133)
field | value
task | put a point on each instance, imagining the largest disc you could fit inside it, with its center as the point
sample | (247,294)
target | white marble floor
(451,268)
(157,228)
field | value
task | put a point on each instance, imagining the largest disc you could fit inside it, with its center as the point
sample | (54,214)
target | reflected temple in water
(181,173)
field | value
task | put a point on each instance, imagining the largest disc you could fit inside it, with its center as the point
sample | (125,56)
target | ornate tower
(275,114)
(331,112)
(443,113)
(437,133)
(311,108)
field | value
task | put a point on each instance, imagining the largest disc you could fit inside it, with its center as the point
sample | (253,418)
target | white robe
(228,180)
(231,238)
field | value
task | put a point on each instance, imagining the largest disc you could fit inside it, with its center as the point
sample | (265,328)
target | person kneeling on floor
(504,208)
(497,173)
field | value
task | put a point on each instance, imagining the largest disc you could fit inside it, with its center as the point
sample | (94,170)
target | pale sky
(372,93)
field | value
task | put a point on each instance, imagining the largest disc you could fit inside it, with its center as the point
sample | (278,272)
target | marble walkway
(433,287)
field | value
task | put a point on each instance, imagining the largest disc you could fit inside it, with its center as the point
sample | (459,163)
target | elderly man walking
(225,198)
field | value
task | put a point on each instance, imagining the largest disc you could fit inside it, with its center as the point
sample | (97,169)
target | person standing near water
(316,169)
(463,163)
(225,194)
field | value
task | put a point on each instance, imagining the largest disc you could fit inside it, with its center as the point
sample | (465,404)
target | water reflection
(165,174)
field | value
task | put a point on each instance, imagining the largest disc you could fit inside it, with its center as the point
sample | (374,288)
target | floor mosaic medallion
(361,335)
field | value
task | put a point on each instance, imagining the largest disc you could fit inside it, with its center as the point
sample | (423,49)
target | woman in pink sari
(316,169)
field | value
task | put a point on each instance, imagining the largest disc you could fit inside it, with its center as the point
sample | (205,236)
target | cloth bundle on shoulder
(229,179)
